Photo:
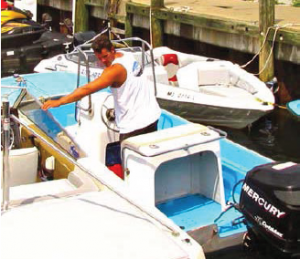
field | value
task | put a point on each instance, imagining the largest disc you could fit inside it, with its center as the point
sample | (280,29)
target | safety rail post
(266,21)
(86,60)
(6,144)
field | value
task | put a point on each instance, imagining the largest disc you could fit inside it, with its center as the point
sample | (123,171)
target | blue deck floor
(194,211)
(191,211)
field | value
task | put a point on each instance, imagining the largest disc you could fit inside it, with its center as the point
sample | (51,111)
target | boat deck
(193,211)
(90,225)
(188,210)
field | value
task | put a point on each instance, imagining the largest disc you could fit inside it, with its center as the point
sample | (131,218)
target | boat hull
(213,115)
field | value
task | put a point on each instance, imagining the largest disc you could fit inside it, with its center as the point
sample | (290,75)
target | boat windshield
(51,122)
(92,59)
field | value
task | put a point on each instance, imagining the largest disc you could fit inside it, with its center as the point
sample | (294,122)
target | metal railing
(6,140)
(81,48)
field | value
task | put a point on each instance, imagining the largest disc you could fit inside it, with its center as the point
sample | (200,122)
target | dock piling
(82,16)
(266,56)
(156,25)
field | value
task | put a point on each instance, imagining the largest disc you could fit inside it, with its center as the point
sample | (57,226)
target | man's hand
(51,104)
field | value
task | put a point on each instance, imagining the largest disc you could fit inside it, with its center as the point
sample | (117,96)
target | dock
(239,25)
(230,24)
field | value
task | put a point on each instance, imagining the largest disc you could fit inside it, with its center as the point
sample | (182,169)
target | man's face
(106,56)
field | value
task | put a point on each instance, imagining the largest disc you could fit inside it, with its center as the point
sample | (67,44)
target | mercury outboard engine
(270,202)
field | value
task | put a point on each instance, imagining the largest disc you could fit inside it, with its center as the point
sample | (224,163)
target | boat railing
(80,49)
(6,140)
(144,44)
(86,60)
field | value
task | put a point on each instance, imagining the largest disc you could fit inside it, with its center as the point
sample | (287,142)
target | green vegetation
(296,3)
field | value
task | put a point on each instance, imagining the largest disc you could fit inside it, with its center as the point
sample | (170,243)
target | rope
(269,103)
(277,28)
(271,52)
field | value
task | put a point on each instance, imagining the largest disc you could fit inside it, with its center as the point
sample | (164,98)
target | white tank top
(135,102)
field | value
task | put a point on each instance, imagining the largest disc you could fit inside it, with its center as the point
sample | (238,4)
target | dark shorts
(151,128)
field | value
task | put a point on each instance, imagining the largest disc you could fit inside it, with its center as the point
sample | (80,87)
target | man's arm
(111,75)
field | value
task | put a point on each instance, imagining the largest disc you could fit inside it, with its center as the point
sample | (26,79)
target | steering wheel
(107,114)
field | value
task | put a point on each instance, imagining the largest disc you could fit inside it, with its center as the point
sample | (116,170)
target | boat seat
(171,64)
(77,182)
(23,165)
(159,142)
(188,77)
(201,73)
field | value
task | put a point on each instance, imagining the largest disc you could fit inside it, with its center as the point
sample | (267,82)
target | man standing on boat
(136,109)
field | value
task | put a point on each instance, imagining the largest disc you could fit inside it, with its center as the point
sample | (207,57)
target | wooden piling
(128,25)
(81,16)
(266,58)
(156,25)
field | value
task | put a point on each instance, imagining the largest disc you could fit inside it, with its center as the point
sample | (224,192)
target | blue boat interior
(54,83)
(190,211)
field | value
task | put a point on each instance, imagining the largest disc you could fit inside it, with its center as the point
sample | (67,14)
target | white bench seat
(77,182)
(29,191)
(167,140)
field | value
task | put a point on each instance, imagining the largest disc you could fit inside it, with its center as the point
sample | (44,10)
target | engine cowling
(270,202)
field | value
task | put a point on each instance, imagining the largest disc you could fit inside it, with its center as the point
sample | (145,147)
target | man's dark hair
(102,42)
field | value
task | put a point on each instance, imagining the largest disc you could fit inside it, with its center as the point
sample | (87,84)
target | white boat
(200,89)
(185,172)
(82,212)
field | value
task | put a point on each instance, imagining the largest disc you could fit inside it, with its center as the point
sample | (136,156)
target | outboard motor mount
(270,202)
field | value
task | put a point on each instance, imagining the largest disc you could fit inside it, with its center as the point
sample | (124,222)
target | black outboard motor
(270,202)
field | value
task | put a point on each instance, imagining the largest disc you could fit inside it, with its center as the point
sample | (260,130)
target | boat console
(179,161)
(173,163)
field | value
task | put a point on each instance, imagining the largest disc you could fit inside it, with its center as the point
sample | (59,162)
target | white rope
(277,28)
(254,57)
(270,54)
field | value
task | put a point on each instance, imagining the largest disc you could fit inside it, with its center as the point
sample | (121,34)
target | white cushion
(23,164)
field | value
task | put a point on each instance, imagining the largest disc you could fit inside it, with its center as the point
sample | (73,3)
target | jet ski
(26,42)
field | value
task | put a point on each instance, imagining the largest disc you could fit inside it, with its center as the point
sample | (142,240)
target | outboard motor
(270,202)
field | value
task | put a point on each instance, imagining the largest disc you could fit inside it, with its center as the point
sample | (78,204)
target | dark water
(276,135)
